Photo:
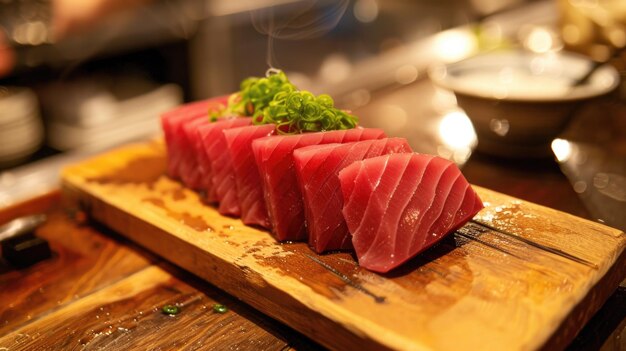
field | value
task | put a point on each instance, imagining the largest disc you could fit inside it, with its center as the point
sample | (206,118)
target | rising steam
(304,20)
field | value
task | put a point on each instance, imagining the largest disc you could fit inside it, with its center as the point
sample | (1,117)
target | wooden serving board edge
(585,309)
(612,273)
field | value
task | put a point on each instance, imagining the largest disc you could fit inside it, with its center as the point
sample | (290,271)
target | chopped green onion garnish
(219,308)
(170,310)
(257,93)
(274,99)
(300,111)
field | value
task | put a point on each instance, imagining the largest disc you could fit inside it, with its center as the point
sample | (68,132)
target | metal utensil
(20,247)
(21,226)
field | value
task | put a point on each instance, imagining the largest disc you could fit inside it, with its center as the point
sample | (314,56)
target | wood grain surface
(127,315)
(515,288)
(73,272)
(100,291)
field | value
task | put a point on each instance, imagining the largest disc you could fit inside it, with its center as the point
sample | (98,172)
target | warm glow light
(456,131)
(454,45)
(31,33)
(366,11)
(491,36)
(335,68)
(617,36)
(499,126)
(358,98)
(571,34)
(393,118)
(443,100)
(540,40)
(562,149)
(406,74)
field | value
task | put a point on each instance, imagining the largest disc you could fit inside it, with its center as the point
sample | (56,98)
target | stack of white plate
(21,129)
(94,114)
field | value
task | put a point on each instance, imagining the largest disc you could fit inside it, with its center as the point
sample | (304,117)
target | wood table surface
(100,291)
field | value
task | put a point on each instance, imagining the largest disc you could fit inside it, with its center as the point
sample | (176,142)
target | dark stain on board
(177,194)
(328,275)
(347,280)
(144,170)
(194,222)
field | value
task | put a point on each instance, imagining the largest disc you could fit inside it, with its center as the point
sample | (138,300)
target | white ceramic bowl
(519,101)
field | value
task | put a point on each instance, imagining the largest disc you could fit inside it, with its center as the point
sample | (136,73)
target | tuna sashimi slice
(398,205)
(247,177)
(172,122)
(274,158)
(223,189)
(317,168)
(203,163)
(192,172)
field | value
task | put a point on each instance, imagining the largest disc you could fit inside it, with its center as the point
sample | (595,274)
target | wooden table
(101,291)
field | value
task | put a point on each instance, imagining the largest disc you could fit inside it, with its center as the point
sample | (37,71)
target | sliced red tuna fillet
(247,177)
(317,168)
(178,149)
(192,173)
(223,189)
(396,206)
(203,162)
(274,157)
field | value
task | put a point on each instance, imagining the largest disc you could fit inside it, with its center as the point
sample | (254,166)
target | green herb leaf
(219,308)
(170,310)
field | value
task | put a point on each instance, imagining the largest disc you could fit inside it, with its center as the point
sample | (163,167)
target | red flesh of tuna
(247,177)
(192,172)
(274,157)
(223,189)
(203,162)
(396,206)
(179,151)
(317,169)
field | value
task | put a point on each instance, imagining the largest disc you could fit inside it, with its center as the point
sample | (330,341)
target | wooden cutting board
(531,283)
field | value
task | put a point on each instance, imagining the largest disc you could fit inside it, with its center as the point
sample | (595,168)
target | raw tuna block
(318,168)
(396,206)
(274,157)
(247,177)
(178,147)
(223,189)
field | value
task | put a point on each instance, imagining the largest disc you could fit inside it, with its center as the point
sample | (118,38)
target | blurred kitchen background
(106,82)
